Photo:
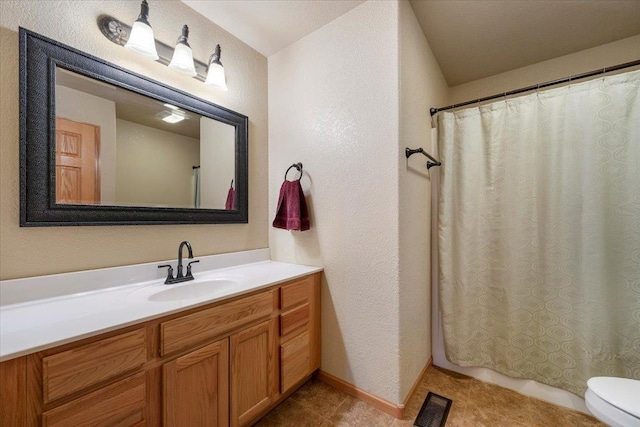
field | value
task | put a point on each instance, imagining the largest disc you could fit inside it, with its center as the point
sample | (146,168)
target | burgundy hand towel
(292,211)
(231,199)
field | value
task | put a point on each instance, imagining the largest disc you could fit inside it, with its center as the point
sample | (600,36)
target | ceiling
(269,26)
(471,39)
(476,39)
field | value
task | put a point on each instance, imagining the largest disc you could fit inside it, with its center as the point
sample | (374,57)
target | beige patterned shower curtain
(539,233)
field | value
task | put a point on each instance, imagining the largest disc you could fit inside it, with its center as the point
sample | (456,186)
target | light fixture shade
(182,60)
(215,75)
(141,40)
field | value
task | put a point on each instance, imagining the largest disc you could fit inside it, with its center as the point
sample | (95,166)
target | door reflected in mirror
(115,147)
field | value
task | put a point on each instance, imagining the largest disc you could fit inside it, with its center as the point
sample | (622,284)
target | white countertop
(54,317)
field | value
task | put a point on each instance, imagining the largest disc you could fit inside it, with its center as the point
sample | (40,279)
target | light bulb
(215,75)
(182,60)
(141,40)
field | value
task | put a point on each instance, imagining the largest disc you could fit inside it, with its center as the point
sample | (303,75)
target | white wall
(217,162)
(333,105)
(73,22)
(422,86)
(85,108)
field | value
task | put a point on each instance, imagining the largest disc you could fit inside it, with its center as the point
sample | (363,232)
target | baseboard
(396,411)
(417,383)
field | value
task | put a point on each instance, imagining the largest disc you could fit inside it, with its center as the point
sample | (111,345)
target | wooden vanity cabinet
(299,331)
(223,364)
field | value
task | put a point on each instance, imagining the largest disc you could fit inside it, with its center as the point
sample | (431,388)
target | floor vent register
(434,411)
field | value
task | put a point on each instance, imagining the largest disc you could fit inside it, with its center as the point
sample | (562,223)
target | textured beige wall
(333,105)
(45,250)
(153,166)
(618,52)
(422,86)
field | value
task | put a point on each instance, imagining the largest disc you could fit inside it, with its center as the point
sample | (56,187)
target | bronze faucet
(179,276)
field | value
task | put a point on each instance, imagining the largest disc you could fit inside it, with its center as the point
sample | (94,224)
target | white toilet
(614,401)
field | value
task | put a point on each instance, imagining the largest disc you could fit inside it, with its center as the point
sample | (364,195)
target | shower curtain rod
(433,111)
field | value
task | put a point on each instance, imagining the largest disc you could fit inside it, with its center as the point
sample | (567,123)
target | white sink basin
(193,290)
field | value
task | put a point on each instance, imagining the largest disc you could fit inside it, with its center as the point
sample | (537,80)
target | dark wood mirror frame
(39,57)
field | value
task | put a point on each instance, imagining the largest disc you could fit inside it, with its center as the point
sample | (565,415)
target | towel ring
(298,166)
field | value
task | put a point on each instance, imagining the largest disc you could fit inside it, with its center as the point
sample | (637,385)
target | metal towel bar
(409,152)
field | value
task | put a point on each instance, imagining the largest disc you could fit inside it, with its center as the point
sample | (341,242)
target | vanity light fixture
(182,60)
(139,39)
(215,75)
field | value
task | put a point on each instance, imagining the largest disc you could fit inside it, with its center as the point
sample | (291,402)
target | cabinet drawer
(121,404)
(186,331)
(295,360)
(73,370)
(295,293)
(294,319)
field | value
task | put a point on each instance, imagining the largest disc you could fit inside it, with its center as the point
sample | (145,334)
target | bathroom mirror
(102,145)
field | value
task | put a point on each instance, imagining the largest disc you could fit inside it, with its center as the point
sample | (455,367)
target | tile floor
(475,404)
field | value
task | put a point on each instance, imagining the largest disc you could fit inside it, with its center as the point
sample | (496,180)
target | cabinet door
(196,387)
(254,381)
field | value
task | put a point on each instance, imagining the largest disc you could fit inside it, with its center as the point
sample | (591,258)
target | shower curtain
(539,233)
(196,186)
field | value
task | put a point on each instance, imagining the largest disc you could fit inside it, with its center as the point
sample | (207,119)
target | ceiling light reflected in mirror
(173,118)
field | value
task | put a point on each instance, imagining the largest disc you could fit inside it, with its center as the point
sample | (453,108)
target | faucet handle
(169,272)
(189,268)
